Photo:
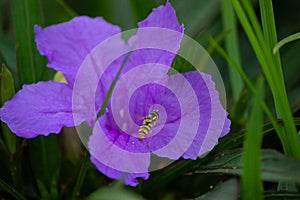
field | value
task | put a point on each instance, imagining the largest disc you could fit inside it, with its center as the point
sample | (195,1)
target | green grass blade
(67,8)
(45,159)
(30,65)
(232,46)
(292,147)
(272,71)
(251,178)
(110,90)
(285,41)
(248,84)
(7,53)
(6,187)
(81,176)
(249,11)
(253,38)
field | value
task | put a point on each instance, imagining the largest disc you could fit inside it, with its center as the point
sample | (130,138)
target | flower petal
(40,109)
(158,38)
(112,155)
(129,178)
(213,117)
(164,17)
(67,44)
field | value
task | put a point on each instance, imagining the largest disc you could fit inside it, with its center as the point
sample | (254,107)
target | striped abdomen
(147,125)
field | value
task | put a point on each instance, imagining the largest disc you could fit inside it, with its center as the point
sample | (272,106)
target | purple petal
(67,44)
(163,54)
(111,155)
(226,127)
(164,17)
(213,118)
(194,118)
(40,109)
(156,40)
(129,178)
(146,90)
(134,99)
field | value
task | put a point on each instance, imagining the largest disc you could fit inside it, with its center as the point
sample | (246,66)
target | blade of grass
(285,41)
(253,38)
(81,176)
(67,8)
(6,187)
(282,104)
(110,90)
(45,160)
(251,177)
(247,82)
(288,135)
(249,11)
(280,95)
(232,46)
(30,65)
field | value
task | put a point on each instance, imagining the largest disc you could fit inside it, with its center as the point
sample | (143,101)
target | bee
(148,123)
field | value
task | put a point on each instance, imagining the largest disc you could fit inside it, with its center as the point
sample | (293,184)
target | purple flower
(191,118)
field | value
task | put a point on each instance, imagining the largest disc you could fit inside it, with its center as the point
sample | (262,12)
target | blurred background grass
(56,176)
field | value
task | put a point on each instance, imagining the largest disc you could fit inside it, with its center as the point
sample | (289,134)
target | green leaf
(251,178)
(230,141)
(262,45)
(225,191)
(114,193)
(7,85)
(274,165)
(238,111)
(232,46)
(281,196)
(196,15)
(30,65)
(45,160)
(291,142)
(7,50)
(285,41)
(7,91)
(8,188)
(80,178)
(67,8)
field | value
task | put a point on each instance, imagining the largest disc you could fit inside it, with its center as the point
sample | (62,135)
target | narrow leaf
(232,46)
(30,65)
(275,166)
(45,160)
(285,41)
(80,178)
(6,187)
(225,191)
(251,177)
(67,8)
(7,91)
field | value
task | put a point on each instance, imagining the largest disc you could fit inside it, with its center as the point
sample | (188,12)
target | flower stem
(102,110)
